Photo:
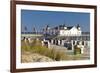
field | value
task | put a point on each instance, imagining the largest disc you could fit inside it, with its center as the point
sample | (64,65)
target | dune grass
(36,47)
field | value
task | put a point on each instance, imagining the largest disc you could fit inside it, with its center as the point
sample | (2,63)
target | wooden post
(72,45)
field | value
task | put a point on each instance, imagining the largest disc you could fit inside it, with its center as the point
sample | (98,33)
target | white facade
(70,32)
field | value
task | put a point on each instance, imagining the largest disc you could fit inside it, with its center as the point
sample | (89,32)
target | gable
(74,28)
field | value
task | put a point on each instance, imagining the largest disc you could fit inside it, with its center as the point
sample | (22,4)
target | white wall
(5,36)
(72,32)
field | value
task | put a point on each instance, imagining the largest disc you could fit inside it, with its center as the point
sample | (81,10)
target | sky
(39,19)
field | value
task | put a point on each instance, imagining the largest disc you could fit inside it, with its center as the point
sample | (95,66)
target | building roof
(61,27)
(69,27)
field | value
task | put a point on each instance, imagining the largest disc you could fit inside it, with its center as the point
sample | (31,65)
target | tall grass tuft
(36,47)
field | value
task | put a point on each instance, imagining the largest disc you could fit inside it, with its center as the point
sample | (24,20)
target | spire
(64,24)
(78,27)
(47,27)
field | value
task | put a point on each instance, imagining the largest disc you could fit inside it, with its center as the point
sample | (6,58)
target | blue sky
(39,19)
